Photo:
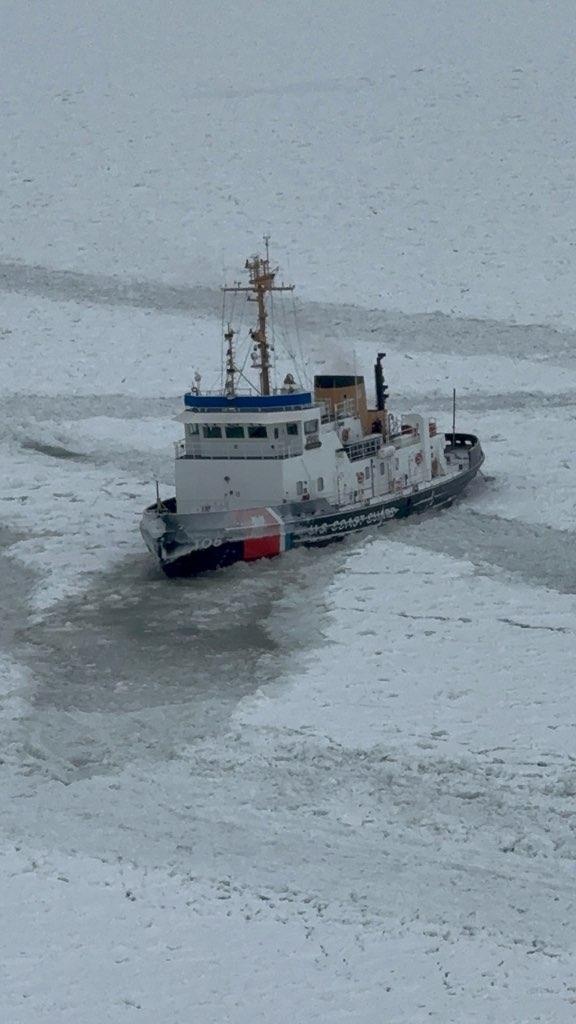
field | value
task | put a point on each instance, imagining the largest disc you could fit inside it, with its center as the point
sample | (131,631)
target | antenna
(262,279)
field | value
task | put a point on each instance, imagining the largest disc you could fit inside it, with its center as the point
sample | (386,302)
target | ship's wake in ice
(353,758)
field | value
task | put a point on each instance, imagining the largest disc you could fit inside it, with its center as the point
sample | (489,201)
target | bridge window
(212,430)
(257,430)
(234,430)
(192,429)
(292,429)
(311,427)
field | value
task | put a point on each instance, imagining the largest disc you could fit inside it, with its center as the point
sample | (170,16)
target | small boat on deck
(261,470)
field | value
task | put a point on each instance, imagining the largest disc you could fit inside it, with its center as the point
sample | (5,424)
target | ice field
(337,787)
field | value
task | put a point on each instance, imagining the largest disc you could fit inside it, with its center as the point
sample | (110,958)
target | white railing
(243,392)
(364,449)
(331,414)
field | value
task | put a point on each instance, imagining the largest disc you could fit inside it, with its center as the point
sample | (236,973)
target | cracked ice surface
(338,781)
(336,787)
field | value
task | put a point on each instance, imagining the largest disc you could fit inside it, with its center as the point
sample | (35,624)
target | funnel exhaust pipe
(379,378)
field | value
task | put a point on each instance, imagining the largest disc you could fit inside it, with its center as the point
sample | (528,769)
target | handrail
(252,392)
(361,449)
(333,413)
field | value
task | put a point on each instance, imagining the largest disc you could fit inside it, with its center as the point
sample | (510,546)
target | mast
(262,278)
(230,383)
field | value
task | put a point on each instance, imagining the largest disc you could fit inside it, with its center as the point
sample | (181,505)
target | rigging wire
(304,357)
(300,359)
(227,319)
(295,351)
(248,346)
(243,367)
(273,333)
(287,345)
(248,381)
(222,340)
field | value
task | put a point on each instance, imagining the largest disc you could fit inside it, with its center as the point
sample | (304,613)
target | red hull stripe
(261,547)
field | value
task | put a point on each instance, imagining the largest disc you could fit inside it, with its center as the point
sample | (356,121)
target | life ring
(345,435)
(419,458)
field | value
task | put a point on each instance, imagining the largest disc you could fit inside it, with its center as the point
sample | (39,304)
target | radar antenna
(262,278)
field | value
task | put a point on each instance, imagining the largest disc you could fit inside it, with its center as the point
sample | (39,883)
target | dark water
(536,553)
(139,665)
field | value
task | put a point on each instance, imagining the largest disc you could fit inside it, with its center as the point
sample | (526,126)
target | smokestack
(379,378)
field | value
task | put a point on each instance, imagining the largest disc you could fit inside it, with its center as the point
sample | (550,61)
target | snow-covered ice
(338,787)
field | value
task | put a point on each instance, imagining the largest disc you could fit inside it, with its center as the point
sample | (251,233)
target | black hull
(205,561)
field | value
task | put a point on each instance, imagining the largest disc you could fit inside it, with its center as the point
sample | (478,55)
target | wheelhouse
(249,426)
